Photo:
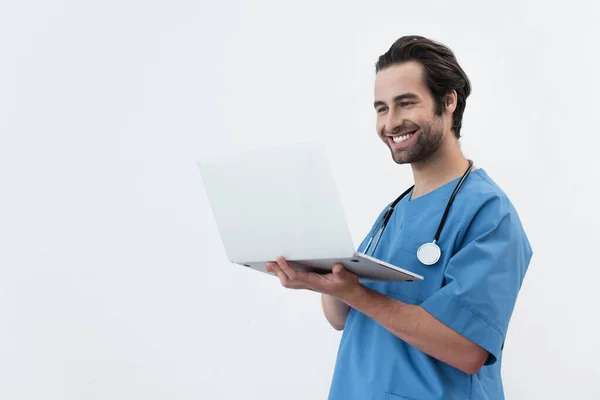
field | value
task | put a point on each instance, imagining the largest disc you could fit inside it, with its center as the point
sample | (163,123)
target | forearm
(336,311)
(420,329)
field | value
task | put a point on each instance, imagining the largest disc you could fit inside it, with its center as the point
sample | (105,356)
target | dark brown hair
(441,71)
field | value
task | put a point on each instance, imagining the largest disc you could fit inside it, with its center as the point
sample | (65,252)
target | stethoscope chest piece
(429,253)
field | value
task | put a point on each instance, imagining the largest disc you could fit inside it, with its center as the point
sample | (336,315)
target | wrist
(353,295)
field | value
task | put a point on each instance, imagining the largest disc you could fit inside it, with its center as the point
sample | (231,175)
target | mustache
(404,128)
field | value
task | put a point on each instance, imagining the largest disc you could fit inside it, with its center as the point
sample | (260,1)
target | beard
(429,140)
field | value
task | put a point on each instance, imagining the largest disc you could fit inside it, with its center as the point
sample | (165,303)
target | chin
(399,157)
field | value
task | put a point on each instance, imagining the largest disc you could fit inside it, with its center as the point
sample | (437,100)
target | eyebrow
(402,96)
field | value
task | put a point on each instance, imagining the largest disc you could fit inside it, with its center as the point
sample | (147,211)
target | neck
(447,164)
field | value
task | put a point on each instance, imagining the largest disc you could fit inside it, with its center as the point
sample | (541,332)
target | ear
(450,101)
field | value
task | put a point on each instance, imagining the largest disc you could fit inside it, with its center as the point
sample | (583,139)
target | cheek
(379,125)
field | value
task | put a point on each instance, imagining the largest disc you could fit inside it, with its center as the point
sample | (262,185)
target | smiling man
(443,337)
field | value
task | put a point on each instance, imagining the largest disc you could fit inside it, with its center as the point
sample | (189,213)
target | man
(440,338)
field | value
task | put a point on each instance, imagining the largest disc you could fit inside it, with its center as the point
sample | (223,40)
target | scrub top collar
(437,198)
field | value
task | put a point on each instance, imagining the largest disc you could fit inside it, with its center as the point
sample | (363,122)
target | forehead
(398,79)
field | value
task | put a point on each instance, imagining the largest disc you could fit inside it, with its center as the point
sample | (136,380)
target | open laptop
(283,201)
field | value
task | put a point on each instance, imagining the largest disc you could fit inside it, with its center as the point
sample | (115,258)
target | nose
(393,121)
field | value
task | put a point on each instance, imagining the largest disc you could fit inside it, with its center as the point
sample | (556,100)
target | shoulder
(482,194)
(485,208)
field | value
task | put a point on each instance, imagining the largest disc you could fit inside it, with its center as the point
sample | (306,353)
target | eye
(406,103)
(381,110)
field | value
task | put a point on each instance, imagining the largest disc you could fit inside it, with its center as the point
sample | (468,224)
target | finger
(307,279)
(273,269)
(270,268)
(285,267)
(290,284)
(338,269)
(293,274)
(286,281)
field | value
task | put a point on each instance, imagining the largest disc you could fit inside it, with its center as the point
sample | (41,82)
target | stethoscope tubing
(388,213)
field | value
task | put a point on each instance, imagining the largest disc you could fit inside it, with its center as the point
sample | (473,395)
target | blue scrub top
(472,289)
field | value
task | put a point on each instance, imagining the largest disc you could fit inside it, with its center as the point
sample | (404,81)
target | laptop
(282,200)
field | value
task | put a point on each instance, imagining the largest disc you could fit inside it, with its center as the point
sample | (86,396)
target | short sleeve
(483,278)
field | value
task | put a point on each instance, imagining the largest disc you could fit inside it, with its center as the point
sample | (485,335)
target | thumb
(338,269)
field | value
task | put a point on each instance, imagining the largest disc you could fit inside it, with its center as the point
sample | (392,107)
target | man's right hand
(335,310)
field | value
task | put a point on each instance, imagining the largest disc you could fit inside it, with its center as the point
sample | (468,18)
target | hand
(340,283)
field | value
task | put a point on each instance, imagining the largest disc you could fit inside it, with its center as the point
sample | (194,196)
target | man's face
(406,120)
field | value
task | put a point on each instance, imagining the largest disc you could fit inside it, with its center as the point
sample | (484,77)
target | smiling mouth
(402,138)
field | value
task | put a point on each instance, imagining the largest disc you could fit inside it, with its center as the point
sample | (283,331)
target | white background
(113,280)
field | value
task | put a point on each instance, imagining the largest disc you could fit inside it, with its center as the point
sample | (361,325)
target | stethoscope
(428,253)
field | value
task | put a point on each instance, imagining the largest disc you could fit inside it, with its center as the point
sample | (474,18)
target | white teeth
(398,139)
